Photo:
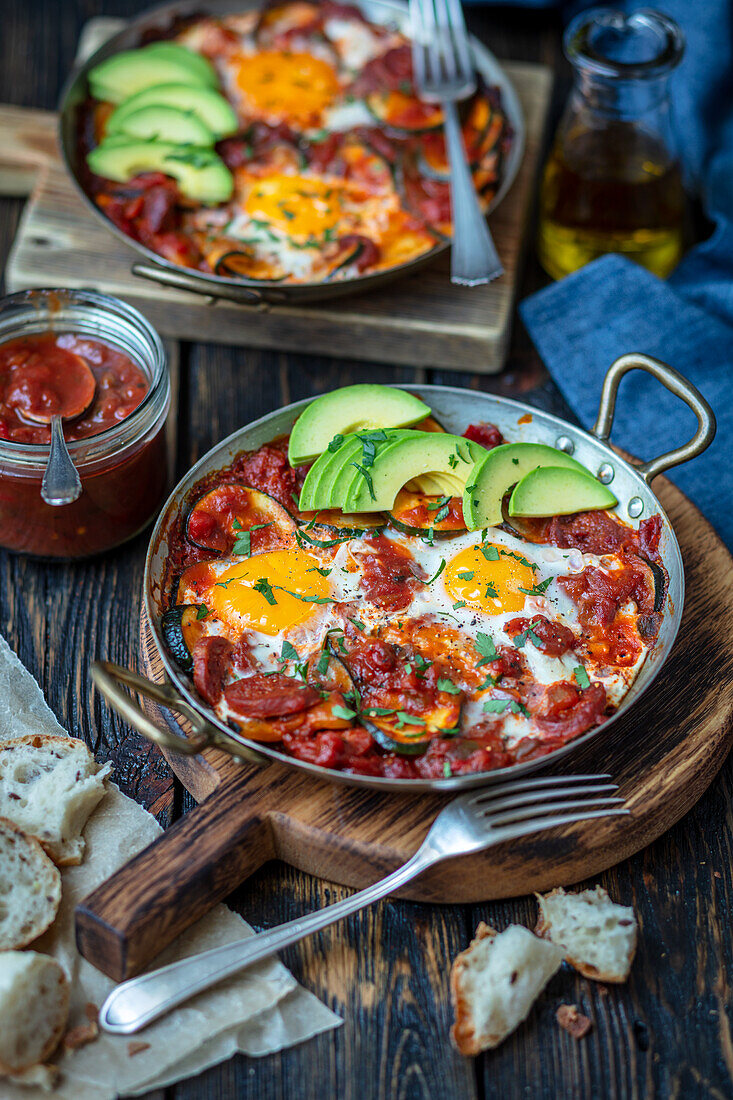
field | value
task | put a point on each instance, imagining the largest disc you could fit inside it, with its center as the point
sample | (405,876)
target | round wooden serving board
(663,754)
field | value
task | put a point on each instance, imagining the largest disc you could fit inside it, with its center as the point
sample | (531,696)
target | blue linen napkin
(585,321)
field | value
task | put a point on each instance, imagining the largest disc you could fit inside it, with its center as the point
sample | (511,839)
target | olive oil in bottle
(611,190)
(612,182)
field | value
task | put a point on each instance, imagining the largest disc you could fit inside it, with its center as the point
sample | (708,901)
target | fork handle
(474,258)
(136,1003)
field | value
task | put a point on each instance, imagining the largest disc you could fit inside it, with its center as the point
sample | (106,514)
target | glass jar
(123,469)
(612,182)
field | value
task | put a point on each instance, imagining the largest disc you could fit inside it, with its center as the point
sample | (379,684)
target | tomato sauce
(123,478)
(42,372)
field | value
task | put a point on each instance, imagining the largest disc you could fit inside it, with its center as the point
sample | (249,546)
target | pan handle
(677,384)
(108,678)
(180,280)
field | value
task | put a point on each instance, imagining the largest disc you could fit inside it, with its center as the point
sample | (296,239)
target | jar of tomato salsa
(117,444)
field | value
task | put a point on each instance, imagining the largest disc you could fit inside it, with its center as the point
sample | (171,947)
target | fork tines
(531,804)
(441,50)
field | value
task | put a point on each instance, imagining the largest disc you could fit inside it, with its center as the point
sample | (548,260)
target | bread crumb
(80,1035)
(91,1012)
(137,1048)
(573,1021)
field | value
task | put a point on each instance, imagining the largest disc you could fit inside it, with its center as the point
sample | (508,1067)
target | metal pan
(455,408)
(157,22)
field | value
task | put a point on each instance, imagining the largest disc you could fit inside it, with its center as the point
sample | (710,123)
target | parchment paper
(259,1012)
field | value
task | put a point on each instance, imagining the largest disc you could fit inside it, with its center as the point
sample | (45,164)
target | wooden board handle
(28,143)
(172,883)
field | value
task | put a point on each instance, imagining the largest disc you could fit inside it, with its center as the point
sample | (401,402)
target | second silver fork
(470,823)
(444,73)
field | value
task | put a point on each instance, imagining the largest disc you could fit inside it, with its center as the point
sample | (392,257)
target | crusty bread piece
(597,936)
(34,1007)
(30,887)
(49,786)
(495,982)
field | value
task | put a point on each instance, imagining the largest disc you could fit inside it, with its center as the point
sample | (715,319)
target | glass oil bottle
(612,182)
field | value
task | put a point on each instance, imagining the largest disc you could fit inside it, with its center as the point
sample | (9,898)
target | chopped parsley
(378,712)
(444,684)
(317,569)
(447,770)
(367,477)
(265,588)
(369,442)
(490,553)
(490,681)
(289,652)
(486,649)
(437,573)
(521,639)
(201,611)
(343,712)
(335,443)
(495,706)
(491,593)
(295,595)
(581,677)
(458,604)
(357,624)
(518,557)
(452,461)
(322,666)
(537,589)
(404,719)
(243,544)
(465,574)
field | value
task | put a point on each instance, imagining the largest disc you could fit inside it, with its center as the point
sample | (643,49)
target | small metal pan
(157,22)
(455,408)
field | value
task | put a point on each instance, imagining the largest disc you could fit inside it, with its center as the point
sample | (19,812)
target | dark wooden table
(667,1033)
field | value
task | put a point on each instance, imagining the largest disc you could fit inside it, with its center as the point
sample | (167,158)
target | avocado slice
(554,491)
(130,71)
(410,456)
(206,104)
(317,487)
(350,409)
(200,173)
(196,62)
(498,470)
(159,123)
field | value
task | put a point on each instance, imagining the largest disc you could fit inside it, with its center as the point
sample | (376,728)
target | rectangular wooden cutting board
(420,321)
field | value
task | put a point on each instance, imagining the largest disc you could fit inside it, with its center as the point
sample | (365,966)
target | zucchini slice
(404,113)
(328,672)
(239,263)
(342,525)
(417,514)
(405,738)
(220,519)
(181,628)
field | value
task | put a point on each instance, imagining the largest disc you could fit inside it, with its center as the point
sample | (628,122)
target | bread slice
(597,936)
(30,887)
(495,982)
(49,786)
(34,1007)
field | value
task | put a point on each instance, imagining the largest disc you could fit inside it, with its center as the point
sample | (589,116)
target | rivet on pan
(636,507)
(564,443)
(606,473)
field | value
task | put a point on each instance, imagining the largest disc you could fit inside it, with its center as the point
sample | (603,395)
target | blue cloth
(585,321)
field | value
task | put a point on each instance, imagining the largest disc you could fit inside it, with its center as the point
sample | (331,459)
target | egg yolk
(286,87)
(489,584)
(262,592)
(299,205)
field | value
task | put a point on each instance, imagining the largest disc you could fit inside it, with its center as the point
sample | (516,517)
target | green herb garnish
(367,477)
(444,684)
(581,677)
(265,588)
(486,649)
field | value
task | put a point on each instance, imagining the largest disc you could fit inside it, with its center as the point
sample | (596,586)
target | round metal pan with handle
(455,409)
(157,23)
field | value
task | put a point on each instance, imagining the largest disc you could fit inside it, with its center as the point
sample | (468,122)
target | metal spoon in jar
(61,482)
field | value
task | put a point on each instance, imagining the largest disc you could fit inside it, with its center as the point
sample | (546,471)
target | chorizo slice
(262,696)
(211,658)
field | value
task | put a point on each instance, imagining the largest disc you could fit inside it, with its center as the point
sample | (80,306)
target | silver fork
(470,823)
(444,73)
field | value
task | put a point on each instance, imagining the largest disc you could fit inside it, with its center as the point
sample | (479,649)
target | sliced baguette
(49,786)
(495,982)
(597,936)
(30,887)
(34,1007)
